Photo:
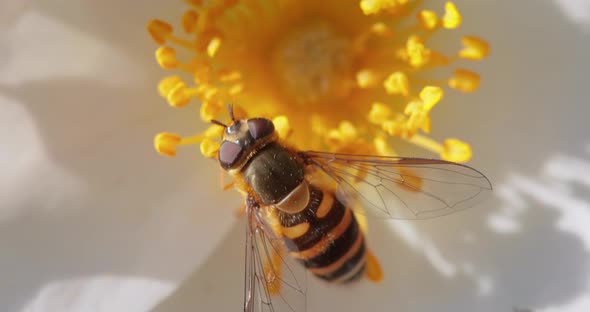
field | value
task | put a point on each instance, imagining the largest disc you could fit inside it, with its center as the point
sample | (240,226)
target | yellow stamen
(165,143)
(343,81)
(397,83)
(379,113)
(189,21)
(282,126)
(474,48)
(166,57)
(366,78)
(177,96)
(381,29)
(167,84)
(464,80)
(430,96)
(375,6)
(213,46)
(418,54)
(210,109)
(452,18)
(382,147)
(428,19)
(427,143)
(159,30)
(209,148)
(456,150)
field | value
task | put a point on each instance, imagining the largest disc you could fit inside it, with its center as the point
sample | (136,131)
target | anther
(456,150)
(165,143)
(418,54)
(166,57)
(159,30)
(190,19)
(379,113)
(178,96)
(464,80)
(397,83)
(474,48)
(430,96)
(428,19)
(452,18)
(366,78)
(167,84)
(213,46)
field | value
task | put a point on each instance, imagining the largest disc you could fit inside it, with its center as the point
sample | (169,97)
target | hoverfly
(293,215)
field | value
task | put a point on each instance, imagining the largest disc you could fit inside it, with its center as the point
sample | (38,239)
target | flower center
(313,63)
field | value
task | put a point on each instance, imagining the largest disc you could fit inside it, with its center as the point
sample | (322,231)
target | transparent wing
(273,280)
(401,188)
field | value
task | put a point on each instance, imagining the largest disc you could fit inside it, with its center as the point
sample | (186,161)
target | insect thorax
(273,173)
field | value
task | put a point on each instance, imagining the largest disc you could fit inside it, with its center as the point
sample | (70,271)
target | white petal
(99,294)
(578,11)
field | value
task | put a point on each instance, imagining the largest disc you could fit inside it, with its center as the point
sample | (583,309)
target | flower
(342,76)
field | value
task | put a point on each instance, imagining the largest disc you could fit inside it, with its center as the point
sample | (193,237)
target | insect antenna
(230,108)
(219,123)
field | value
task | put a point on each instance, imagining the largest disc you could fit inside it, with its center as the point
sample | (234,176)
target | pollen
(332,75)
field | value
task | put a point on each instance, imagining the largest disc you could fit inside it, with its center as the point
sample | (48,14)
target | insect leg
(373,269)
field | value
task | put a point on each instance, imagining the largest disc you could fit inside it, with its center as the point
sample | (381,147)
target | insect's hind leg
(372,267)
(373,270)
(272,269)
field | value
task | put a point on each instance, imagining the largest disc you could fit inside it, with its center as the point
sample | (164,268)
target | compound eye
(229,153)
(260,127)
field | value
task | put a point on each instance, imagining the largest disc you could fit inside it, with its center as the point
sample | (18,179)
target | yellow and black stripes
(325,237)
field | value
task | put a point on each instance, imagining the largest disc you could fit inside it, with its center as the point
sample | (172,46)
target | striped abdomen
(325,237)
